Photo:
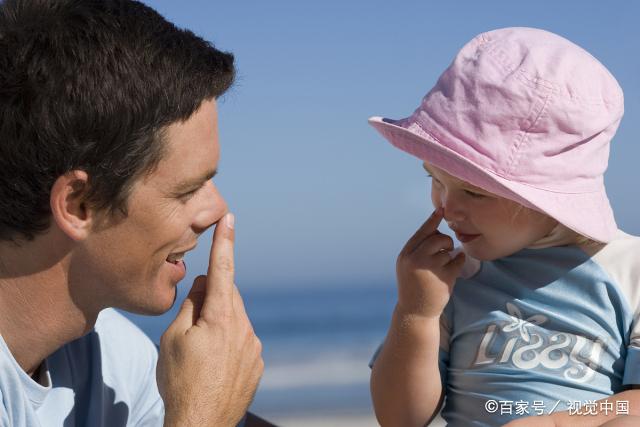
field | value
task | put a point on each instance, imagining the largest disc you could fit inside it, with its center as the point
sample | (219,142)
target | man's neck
(38,314)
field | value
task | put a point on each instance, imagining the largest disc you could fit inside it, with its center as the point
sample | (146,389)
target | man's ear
(68,205)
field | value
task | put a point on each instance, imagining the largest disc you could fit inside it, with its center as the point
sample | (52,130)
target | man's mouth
(175,257)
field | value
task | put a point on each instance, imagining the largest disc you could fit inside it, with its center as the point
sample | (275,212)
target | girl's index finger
(427,229)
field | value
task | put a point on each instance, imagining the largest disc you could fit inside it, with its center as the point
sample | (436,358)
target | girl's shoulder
(623,245)
(620,258)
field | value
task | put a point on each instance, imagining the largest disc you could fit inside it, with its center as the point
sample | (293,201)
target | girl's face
(488,226)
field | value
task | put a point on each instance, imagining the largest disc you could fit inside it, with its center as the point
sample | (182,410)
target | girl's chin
(481,253)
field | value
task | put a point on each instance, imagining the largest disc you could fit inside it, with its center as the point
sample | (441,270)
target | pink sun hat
(525,114)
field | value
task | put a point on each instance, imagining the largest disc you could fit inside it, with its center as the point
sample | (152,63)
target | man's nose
(212,210)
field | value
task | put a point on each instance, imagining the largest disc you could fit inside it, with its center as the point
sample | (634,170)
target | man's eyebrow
(189,183)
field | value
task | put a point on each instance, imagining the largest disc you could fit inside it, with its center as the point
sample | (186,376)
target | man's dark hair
(90,85)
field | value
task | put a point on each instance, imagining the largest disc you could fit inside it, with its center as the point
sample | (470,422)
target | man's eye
(190,194)
(187,196)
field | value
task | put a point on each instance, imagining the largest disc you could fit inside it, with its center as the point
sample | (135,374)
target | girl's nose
(453,207)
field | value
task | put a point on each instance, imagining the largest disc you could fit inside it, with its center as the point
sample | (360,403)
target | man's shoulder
(115,349)
(115,360)
(113,325)
(121,340)
(127,360)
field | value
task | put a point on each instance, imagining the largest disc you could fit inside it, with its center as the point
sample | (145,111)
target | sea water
(317,343)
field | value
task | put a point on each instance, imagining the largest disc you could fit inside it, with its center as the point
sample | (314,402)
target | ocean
(317,343)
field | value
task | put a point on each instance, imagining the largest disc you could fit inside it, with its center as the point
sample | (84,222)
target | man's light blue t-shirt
(106,378)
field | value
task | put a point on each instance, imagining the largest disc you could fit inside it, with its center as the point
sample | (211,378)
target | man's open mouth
(175,258)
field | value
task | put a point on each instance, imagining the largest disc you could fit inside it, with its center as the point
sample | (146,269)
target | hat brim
(588,214)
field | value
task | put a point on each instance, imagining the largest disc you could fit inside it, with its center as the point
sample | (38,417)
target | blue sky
(320,198)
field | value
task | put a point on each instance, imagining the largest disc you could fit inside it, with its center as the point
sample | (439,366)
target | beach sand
(338,421)
(329,420)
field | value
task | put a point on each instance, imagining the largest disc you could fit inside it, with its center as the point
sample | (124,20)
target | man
(108,143)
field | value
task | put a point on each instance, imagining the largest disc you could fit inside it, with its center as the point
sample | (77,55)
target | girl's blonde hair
(570,237)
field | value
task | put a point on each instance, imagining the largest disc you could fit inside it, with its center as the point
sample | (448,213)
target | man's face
(127,262)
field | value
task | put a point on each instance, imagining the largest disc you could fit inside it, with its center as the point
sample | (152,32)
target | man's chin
(153,306)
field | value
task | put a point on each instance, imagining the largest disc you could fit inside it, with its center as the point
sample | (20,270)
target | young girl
(536,320)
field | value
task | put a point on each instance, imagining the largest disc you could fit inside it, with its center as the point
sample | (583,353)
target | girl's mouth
(465,238)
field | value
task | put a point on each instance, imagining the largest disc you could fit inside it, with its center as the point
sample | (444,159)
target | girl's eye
(474,195)
(434,180)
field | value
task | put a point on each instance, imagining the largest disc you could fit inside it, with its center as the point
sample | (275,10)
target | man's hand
(426,273)
(210,358)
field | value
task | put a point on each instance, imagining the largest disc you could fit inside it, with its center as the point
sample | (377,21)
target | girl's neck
(559,236)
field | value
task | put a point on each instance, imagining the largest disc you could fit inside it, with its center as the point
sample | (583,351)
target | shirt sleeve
(443,355)
(129,360)
(632,361)
(4,417)
(620,260)
(631,371)
(149,407)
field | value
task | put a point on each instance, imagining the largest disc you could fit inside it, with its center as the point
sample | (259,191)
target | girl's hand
(426,273)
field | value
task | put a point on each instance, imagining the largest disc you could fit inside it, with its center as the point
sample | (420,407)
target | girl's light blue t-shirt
(103,379)
(542,330)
